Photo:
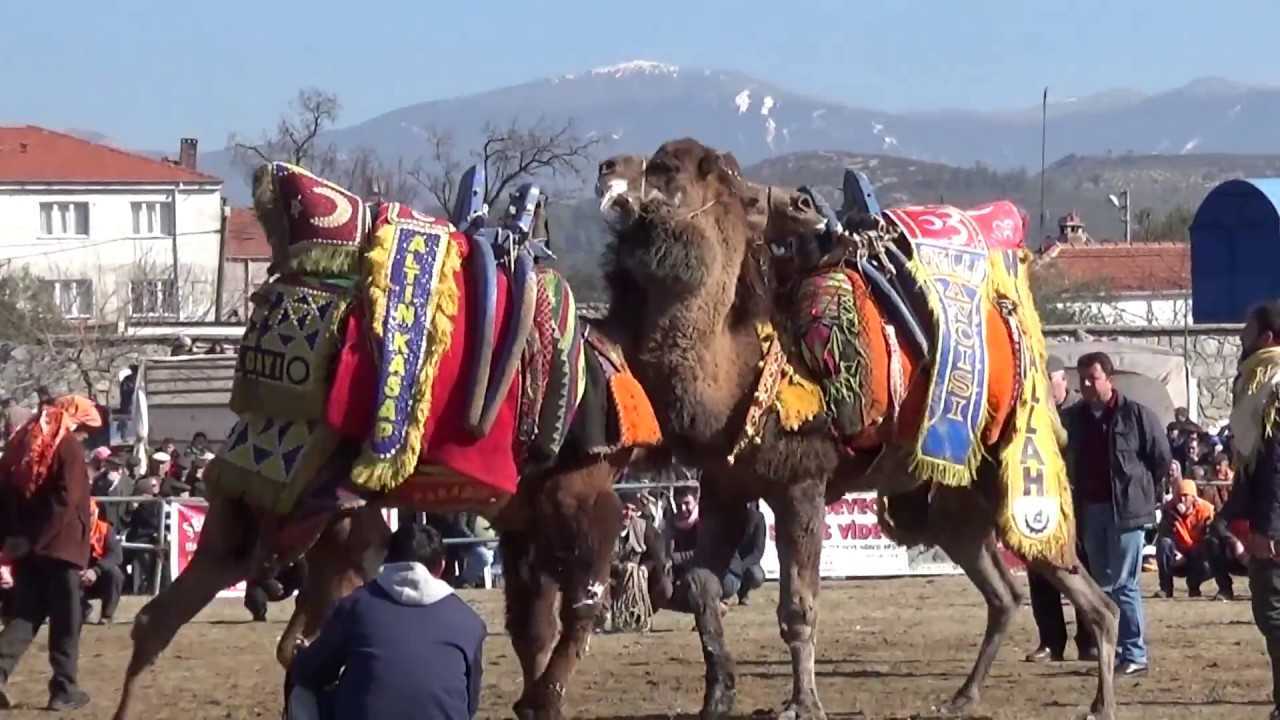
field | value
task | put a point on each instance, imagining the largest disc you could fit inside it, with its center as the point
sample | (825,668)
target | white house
(1106,283)
(115,237)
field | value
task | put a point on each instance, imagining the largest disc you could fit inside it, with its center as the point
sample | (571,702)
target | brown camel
(691,279)
(557,535)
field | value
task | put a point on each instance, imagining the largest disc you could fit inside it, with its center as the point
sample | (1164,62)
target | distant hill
(1156,182)
(633,106)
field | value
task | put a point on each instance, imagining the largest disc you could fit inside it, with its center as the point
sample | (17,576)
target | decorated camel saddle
(940,294)
(439,364)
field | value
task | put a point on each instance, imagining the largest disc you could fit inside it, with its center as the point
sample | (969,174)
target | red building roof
(36,155)
(1141,269)
(246,239)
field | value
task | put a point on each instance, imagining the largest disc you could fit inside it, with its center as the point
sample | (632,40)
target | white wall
(1132,310)
(111,254)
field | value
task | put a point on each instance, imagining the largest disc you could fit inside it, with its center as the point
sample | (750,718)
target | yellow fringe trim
(799,400)
(377,473)
(319,259)
(1034,437)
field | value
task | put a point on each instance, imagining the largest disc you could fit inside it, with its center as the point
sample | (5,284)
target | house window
(73,298)
(64,219)
(152,218)
(153,298)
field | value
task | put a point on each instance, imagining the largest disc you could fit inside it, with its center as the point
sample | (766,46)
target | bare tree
(508,153)
(296,138)
(364,173)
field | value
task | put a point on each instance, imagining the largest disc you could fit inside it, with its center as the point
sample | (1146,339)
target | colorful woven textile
(950,263)
(270,462)
(833,347)
(448,449)
(287,349)
(325,225)
(412,294)
(554,374)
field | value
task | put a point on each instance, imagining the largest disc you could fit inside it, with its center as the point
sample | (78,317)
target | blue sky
(145,72)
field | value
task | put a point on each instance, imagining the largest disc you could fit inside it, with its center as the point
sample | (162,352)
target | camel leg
(799,516)
(587,504)
(982,563)
(531,614)
(1095,608)
(345,556)
(224,557)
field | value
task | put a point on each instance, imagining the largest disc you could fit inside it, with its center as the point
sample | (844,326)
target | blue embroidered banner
(412,273)
(958,393)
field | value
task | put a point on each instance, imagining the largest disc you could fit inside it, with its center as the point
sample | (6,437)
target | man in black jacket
(745,573)
(1117,452)
(1256,495)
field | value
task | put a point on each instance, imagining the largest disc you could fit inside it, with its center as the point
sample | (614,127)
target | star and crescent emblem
(342,209)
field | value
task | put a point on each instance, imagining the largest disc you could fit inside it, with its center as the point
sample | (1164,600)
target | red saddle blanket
(994,226)
(455,469)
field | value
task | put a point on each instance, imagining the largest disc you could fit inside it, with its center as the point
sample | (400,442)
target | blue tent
(1235,250)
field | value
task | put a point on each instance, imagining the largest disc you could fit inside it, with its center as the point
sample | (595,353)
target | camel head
(688,281)
(695,224)
(620,186)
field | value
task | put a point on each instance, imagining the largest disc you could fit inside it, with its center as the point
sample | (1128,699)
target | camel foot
(718,702)
(809,709)
(959,705)
(539,705)
(1098,711)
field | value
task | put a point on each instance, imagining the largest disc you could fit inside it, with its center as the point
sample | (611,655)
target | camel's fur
(690,277)
(557,534)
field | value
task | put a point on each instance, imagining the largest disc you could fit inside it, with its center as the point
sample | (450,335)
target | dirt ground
(888,648)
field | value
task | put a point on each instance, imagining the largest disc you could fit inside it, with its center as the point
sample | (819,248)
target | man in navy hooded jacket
(402,646)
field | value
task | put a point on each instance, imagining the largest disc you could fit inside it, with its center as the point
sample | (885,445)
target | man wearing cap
(1181,549)
(1046,601)
(46,487)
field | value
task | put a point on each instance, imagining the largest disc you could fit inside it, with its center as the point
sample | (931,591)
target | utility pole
(1044,130)
(1122,204)
(1128,238)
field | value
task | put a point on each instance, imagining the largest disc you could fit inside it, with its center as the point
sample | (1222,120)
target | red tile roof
(1145,268)
(246,240)
(34,154)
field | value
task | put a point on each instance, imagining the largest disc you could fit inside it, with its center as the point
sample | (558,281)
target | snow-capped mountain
(634,106)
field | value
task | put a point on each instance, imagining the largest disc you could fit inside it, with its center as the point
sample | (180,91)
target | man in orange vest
(103,579)
(1181,549)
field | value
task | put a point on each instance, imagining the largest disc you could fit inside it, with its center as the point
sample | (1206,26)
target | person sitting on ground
(402,646)
(745,573)
(1223,478)
(640,544)
(104,579)
(1180,547)
(681,534)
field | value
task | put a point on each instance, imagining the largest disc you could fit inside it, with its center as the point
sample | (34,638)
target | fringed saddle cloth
(986,377)
(368,339)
